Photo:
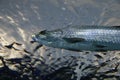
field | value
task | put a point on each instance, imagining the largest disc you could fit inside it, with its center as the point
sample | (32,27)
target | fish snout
(34,39)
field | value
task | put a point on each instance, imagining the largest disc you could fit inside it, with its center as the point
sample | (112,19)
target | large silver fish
(81,38)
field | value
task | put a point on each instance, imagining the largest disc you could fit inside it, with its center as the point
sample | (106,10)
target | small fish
(81,38)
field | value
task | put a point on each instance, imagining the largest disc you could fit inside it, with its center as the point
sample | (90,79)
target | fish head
(42,35)
(48,38)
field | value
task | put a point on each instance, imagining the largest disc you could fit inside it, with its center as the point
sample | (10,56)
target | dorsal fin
(42,32)
(94,26)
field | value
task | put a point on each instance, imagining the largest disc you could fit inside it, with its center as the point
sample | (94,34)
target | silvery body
(81,38)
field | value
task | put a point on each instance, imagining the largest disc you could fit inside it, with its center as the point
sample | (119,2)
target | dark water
(19,19)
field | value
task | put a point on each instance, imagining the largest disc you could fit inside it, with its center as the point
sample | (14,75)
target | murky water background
(19,19)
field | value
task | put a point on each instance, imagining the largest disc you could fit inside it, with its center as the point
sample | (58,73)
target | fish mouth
(33,39)
(37,47)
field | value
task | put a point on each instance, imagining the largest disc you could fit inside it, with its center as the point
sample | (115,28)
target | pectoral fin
(74,40)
